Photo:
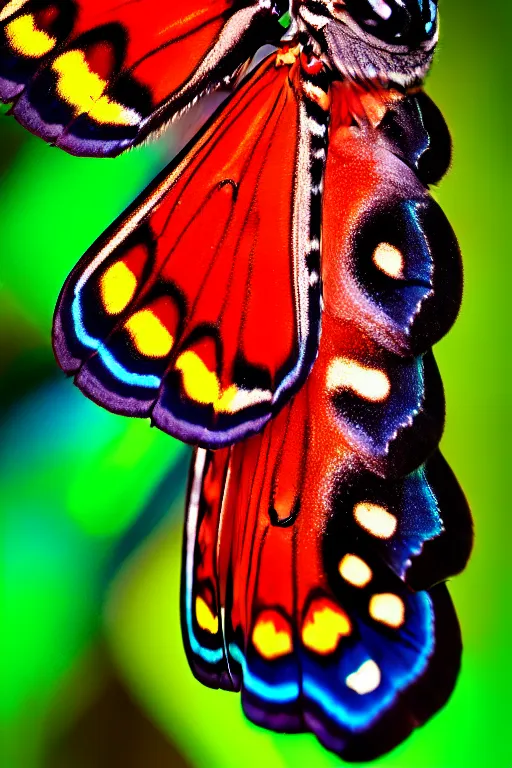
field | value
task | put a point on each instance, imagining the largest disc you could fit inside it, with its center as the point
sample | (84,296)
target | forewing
(200,308)
(96,77)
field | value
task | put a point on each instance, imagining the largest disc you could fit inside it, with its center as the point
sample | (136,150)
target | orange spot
(272,635)
(325,624)
(287,56)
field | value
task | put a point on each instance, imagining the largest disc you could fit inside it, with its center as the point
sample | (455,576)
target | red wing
(198,309)
(96,77)
(297,560)
(315,535)
(200,594)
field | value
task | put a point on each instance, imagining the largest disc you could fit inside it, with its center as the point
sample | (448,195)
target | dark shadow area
(111,730)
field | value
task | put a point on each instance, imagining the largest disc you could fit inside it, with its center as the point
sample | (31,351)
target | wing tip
(413,706)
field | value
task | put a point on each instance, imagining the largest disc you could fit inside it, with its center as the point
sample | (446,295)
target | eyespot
(397,22)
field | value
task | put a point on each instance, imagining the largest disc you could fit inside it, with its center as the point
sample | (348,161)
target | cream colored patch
(369,383)
(11,8)
(375,519)
(365,679)
(389,260)
(287,56)
(355,571)
(388,609)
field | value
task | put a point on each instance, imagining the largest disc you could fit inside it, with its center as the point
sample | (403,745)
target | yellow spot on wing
(106,111)
(25,38)
(388,259)
(355,571)
(226,400)
(83,90)
(148,334)
(77,84)
(375,519)
(365,679)
(205,617)
(203,386)
(323,628)
(271,636)
(388,609)
(117,287)
(200,384)
(369,383)
(234,399)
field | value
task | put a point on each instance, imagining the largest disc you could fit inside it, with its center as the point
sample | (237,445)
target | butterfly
(272,298)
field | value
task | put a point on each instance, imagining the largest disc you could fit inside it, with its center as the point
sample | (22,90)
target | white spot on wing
(369,383)
(244,398)
(388,609)
(365,679)
(381,8)
(375,519)
(355,571)
(388,259)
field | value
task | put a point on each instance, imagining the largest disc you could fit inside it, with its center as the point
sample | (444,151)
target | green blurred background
(93,668)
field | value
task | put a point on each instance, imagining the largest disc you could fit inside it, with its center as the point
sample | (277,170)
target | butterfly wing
(301,565)
(313,549)
(173,313)
(267,610)
(96,77)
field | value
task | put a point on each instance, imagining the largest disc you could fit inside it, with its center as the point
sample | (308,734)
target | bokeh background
(93,668)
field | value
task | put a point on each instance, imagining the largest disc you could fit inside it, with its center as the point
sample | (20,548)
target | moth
(272,298)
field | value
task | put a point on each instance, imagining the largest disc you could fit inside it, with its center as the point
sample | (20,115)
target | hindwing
(313,551)
(301,569)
